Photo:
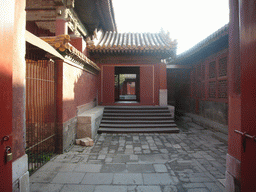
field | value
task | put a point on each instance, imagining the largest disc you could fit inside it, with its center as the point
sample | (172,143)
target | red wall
(149,83)
(79,88)
(241,158)
(151,76)
(200,79)
(6,62)
(12,111)
(248,92)
(79,44)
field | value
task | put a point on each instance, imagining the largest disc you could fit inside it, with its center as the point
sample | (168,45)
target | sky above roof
(188,21)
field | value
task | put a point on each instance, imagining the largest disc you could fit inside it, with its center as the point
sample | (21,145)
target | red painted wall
(248,92)
(79,88)
(79,44)
(6,62)
(152,74)
(75,87)
(149,84)
(11,59)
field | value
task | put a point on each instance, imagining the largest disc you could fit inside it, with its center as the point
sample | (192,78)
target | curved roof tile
(114,42)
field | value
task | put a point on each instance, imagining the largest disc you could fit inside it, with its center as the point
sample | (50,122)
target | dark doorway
(127,86)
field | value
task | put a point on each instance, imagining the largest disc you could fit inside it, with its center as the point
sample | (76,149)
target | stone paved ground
(191,161)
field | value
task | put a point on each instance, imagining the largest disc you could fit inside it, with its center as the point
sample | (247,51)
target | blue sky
(188,21)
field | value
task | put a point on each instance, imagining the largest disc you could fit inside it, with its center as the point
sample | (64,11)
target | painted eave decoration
(113,42)
(96,14)
(217,35)
(62,45)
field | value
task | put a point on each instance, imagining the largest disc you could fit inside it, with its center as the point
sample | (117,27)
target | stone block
(90,141)
(163,97)
(78,141)
(84,142)
(83,130)
(84,120)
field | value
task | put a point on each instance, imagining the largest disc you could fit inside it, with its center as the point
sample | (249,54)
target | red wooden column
(59,106)
(61,25)
(241,157)
(163,95)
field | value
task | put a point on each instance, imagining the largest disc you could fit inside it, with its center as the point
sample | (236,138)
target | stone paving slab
(128,178)
(98,178)
(192,160)
(78,188)
(70,178)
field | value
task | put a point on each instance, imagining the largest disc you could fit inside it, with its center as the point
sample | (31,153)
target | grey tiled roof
(139,42)
(223,31)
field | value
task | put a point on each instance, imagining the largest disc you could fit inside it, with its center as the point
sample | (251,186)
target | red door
(6,51)
(108,85)
(147,86)
(248,93)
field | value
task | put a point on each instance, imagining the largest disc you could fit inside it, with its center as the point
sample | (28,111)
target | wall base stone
(20,174)
(69,133)
(163,97)
(220,131)
(88,122)
(233,174)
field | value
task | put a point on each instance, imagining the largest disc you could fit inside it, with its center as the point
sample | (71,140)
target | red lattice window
(212,89)
(198,71)
(198,91)
(203,72)
(203,90)
(223,67)
(223,89)
(212,69)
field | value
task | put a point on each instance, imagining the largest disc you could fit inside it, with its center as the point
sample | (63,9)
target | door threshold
(127,102)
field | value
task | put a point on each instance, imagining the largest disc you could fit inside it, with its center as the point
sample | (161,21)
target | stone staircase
(137,119)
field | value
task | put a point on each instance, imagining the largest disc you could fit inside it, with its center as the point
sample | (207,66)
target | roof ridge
(206,40)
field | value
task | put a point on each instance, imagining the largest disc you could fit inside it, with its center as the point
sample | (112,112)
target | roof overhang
(96,14)
(212,44)
(36,41)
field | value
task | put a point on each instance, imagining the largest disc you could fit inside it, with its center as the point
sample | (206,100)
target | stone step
(136,111)
(139,130)
(128,121)
(137,118)
(137,125)
(138,114)
(135,108)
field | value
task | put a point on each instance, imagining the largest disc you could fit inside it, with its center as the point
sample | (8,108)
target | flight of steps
(137,119)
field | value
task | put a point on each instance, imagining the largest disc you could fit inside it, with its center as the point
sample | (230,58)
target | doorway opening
(127,86)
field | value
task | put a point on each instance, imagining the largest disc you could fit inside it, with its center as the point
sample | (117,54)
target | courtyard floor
(192,160)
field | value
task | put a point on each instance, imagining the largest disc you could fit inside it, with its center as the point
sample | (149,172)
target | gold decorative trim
(62,45)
